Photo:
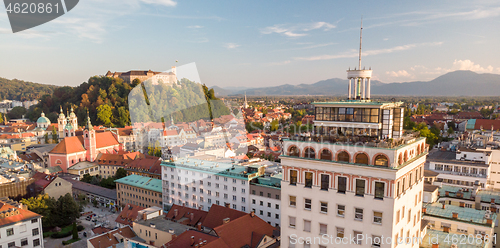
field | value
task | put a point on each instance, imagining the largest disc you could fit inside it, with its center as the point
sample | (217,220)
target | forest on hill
(106,100)
(14,89)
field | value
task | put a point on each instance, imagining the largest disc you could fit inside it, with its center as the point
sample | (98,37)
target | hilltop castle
(129,76)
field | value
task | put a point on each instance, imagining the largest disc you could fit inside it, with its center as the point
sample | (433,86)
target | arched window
(400,159)
(293,151)
(418,149)
(381,160)
(326,154)
(361,158)
(406,156)
(343,156)
(309,153)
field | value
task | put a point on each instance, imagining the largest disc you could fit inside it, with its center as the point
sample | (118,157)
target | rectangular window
(358,237)
(360,187)
(358,214)
(379,190)
(324,207)
(342,185)
(10,231)
(341,210)
(309,179)
(325,181)
(293,201)
(307,226)
(340,232)
(24,242)
(409,215)
(323,228)
(36,242)
(291,221)
(293,177)
(376,240)
(377,217)
(11,244)
(307,204)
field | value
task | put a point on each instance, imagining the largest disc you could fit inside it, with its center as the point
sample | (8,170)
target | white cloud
(195,26)
(279,63)
(400,73)
(297,30)
(168,3)
(470,66)
(231,45)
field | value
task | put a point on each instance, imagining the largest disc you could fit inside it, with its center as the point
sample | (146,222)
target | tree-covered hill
(14,89)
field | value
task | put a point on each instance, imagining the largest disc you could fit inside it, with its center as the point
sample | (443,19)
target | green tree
(275,125)
(75,231)
(104,115)
(16,112)
(46,136)
(408,124)
(120,173)
(43,205)
(450,130)
(1,118)
(82,200)
(87,178)
(108,183)
(66,210)
(55,137)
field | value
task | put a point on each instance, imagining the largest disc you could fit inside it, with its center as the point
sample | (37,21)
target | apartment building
(139,190)
(358,177)
(199,184)
(265,199)
(18,226)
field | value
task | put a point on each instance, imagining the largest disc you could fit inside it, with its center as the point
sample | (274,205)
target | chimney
(462,204)
(424,210)
(192,240)
(435,245)
(191,216)
(492,200)
(447,193)
(493,208)
(444,206)
(226,220)
(198,226)
(227,205)
(144,216)
(252,214)
(454,215)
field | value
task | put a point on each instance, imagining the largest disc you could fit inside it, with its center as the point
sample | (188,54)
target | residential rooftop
(93,189)
(82,165)
(486,195)
(468,215)
(444,240)
(143,182)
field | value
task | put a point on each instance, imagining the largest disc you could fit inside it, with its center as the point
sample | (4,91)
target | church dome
(72,114)
(43,119)
(69,126)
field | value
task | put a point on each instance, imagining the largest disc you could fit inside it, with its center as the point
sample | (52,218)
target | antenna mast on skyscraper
(360,41)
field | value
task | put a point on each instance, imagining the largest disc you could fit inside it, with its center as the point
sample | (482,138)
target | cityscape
(369,147)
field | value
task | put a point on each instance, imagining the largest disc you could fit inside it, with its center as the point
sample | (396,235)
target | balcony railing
(358,140)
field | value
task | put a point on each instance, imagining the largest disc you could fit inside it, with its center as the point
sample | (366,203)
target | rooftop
(444,240)
(468,215)
(142,182)
(93,189)
(82,165)
(486,195)
(359,103)
(450,157)
(213,167)
(162,224)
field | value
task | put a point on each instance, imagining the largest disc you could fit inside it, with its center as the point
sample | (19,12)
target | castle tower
(61,123)
(89,140)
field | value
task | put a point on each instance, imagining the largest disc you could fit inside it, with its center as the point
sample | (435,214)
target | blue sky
(256,43)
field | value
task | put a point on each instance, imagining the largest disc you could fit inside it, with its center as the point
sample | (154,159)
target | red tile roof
(128,214)
(16,214)
(69,145)
(42,180)
(487,124)
(185,215)
(113,159)
(246,230)
(151,165)
(100,230)
(186,239)
(108,239)
(217,213)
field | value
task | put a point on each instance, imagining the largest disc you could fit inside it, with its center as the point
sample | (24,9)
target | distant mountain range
(457,83)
